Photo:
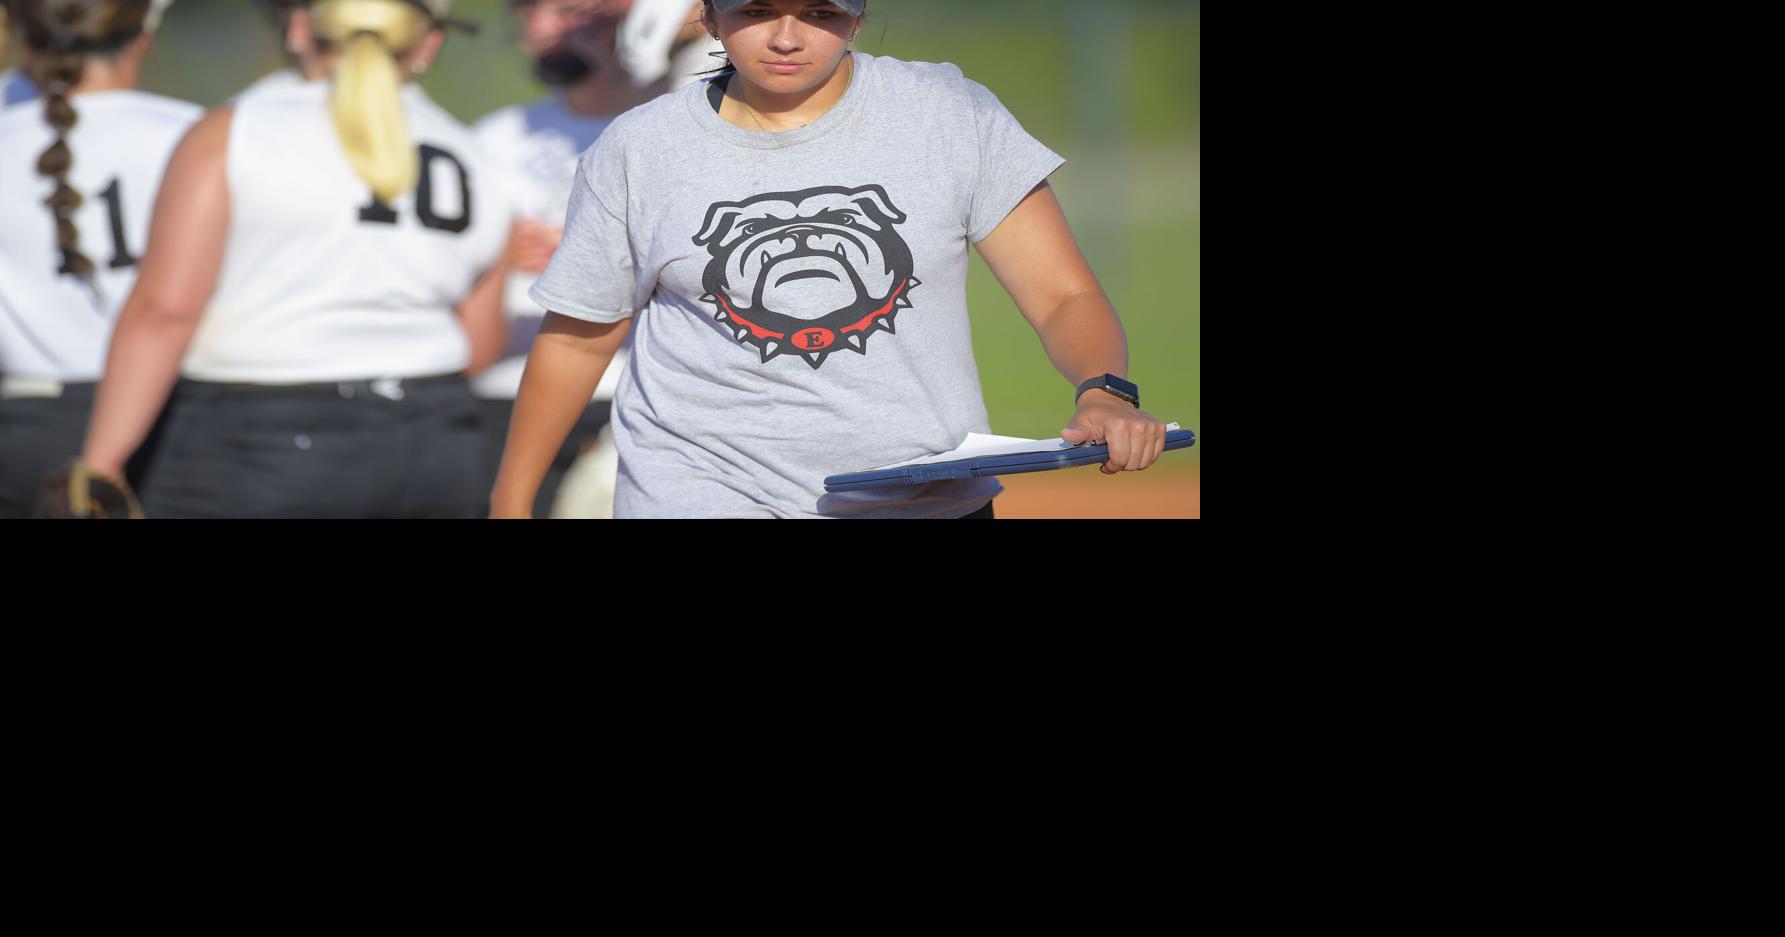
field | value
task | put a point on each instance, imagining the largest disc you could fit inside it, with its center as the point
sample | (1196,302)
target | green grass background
(1114,86)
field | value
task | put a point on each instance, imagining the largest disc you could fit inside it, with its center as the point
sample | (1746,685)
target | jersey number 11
(121,255)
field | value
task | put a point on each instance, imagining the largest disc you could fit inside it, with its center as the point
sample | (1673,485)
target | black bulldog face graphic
(807,272)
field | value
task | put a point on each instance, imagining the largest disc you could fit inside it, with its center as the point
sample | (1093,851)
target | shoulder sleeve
(1011,163)
(592,273)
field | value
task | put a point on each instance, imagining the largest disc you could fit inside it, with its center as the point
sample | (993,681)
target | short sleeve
(591,275)
(1011,163)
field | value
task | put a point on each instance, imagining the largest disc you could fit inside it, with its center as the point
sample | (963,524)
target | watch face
(1126,390)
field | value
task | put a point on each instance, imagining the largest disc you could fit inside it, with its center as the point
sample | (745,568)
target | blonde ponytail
(369,118)
(366,106)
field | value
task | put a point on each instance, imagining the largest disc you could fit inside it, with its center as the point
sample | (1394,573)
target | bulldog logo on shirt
(807,272)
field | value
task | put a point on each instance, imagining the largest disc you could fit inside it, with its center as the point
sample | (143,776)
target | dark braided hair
(61,34)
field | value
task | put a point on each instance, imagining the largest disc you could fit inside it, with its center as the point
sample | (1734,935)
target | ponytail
(366,105)
(368,113)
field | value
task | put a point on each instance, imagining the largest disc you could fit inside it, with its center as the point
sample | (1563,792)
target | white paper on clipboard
(982,444)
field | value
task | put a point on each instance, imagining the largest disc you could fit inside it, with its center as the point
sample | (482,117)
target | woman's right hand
(534,244)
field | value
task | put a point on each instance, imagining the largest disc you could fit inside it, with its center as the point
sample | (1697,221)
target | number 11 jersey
(54,325)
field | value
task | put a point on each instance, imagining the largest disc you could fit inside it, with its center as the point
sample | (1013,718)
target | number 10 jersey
(320,281)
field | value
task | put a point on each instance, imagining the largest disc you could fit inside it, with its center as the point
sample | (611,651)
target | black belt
(389,388)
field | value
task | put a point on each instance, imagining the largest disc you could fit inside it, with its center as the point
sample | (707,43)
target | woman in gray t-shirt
(789,244)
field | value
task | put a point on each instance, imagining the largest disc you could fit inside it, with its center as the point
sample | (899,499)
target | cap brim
(852,7)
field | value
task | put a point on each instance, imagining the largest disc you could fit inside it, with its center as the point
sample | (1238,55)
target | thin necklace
(751,111)
(758,121)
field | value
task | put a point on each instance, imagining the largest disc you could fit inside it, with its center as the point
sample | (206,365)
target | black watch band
(1127,390)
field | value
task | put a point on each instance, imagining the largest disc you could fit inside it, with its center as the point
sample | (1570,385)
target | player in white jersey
(317,282)
(536,146)
(80,168)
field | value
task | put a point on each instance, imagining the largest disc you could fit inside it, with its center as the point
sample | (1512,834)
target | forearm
(140,370)
(1084,338)
(485,324)
(562,373)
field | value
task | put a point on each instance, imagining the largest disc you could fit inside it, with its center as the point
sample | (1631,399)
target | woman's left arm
(1033,254)
(481,315)
(187,235)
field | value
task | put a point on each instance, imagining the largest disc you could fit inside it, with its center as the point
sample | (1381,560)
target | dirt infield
(1086,492)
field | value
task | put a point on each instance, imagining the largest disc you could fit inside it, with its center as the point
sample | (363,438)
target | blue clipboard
(1009,464)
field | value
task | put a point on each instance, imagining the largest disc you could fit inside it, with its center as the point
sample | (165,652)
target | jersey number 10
(377,212)
(380,213)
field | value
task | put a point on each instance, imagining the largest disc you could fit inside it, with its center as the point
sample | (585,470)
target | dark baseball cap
(852,7)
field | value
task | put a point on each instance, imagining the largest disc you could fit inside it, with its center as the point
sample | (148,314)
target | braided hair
(61,35)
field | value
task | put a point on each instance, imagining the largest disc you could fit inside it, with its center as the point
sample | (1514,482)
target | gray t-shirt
(801,296)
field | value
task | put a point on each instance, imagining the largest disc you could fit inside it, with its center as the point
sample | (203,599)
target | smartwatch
(1126,390)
